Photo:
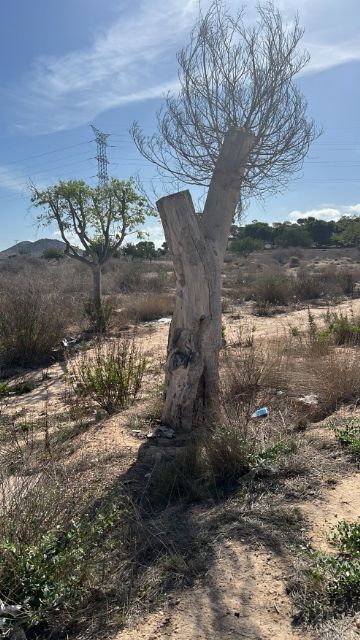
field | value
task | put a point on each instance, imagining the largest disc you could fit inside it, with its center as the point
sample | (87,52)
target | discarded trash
(260,413)
(164,321)
(311,399)
(69,342)
(161,432)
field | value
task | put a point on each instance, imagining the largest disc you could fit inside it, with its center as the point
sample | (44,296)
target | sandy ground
(243,594)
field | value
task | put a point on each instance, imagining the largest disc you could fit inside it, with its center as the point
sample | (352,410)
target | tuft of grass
(211,463)
(150,307)
(111,375)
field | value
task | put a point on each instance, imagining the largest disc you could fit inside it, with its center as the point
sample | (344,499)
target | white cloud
(127,63)
(326,213)
(156,233)
(12,179)
(134,59)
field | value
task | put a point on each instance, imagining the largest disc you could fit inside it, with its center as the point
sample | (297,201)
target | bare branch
(231,75)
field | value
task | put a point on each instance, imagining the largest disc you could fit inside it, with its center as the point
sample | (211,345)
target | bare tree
(238,126)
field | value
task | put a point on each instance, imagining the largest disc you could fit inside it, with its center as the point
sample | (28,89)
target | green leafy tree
(144,250)
(347,231)
(53,254)
(99,218)
(246,245)
(321,231)
(259,231)
(292,236)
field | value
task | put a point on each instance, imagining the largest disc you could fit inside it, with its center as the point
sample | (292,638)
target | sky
(69,64)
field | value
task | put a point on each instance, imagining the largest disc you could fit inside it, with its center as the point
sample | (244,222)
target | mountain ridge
(35,248)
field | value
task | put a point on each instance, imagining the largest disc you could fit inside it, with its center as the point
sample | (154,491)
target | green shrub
(4,389)
(111,375)
(50,557)
(53,254)
(331,585)
(245,246)
(349,435)
(342,329)
(294,261)
(99,321)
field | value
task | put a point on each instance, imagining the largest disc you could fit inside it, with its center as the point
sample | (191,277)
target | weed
(349,435)
(4,389)
(330,583)
(111,376)
(342,329)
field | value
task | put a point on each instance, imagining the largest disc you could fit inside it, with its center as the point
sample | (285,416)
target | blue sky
(71,63)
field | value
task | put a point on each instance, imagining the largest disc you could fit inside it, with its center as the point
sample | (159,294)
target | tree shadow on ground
(174,544)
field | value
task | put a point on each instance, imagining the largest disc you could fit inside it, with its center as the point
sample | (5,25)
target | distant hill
(36,248)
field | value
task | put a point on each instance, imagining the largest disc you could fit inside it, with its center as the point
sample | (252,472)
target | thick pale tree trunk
(197,244)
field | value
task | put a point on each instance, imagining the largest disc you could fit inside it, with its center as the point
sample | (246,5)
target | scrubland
(249,528)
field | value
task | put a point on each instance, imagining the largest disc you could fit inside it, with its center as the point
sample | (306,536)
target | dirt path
(243,596)
(244,593)
(341,502)
(278,325)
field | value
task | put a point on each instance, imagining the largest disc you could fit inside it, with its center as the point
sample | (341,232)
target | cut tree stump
(197,244)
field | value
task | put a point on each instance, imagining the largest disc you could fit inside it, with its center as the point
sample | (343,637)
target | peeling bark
(197,244)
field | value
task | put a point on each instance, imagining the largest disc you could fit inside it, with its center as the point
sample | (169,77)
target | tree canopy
(98,218)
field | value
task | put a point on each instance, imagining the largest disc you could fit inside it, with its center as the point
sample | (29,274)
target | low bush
(282,255)
(342,329)
(308,286)
(111,375)
(330,583)
(348,435)
(32,324)
(272,288)
(99,321)
(146,308)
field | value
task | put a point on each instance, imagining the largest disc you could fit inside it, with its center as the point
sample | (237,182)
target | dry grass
(148,307)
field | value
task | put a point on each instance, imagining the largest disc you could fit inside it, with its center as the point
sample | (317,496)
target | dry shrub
(336,378)
(111,375)
(251,377)
(145,308)
(32,323)
(272,288)
(282,256)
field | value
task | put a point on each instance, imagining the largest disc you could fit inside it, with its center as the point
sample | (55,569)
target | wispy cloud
(327,212)
(12,179)
(128,63)
(134,60)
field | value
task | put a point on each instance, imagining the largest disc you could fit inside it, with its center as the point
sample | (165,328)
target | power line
(47,153)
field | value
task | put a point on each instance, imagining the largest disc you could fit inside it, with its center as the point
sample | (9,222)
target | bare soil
(243,593)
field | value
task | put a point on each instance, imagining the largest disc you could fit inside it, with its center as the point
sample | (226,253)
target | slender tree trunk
(197,245)
(97,292)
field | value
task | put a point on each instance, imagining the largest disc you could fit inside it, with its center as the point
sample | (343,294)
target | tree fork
(197,244)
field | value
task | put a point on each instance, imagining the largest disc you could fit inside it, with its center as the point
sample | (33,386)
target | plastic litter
(260,413)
